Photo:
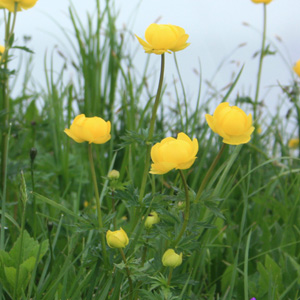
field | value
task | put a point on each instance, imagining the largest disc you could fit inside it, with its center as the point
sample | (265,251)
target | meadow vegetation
(230,216)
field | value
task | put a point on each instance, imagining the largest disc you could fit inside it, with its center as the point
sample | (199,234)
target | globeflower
(231,123)
(152,219)
(171,259)
(21,4)
(93,130)
(173,153)
(296,68)
(2,49)
(164,38)
(117,239)
(261,1)
(293,143)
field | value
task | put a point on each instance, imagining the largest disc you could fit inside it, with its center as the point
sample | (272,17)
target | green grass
(242,237)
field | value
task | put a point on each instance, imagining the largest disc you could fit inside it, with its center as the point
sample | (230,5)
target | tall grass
(242,236)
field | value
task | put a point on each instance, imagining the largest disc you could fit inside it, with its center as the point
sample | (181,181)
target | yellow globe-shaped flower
(164,38)
(173,153)
(93,130)
(296,67)
(117,239)
(22,4)
(231,123)
(262,1)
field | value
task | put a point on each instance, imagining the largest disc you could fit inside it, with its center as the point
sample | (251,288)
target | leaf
(24,48)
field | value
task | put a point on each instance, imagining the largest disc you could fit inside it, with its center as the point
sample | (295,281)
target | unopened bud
(33,153)
(113,175)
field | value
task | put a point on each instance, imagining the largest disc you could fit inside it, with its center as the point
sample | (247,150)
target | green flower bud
(171,259)
(152,219)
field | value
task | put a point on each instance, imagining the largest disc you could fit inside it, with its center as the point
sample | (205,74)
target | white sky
(214,26)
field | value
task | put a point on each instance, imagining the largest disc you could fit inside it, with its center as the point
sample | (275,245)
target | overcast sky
(215,28)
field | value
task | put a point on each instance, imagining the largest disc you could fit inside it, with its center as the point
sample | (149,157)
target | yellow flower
(296,68)
(173,153)
(22,4)
(117,239)
(2,49)
(231,123)
(171,259)
(261,1)
(93,130)
(293,143)
(152,219)
(258,129)
(164,38)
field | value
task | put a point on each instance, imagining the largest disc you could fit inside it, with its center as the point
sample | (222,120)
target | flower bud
(113,175)
(33,153)
(152,219)
(117,239)
(171,259)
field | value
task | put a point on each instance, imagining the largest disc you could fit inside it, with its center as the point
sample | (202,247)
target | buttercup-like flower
(2,49)
(117,239)
(171,259)
(261,1)
(152,219)
(231,123)
(173,153)
(164,38)
(293,143)
(93,130)
(296,67)
(22,4)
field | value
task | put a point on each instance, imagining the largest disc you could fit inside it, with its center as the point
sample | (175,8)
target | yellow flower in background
(152,219)
(93,130)
(164,38)
(171,259)
(2,49)
(22,4)
(296,67)
(173,153)
(117,239)
(293,143)
(261,1)
(231,123)
(258,129)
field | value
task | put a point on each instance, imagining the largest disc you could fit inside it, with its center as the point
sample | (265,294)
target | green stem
(151,129)
(262,54)
(128,273)
(170,276)
(4,186)
(209,172)
(98,205)
(187,209)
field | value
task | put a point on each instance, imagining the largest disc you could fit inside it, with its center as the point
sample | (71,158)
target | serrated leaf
(30,248)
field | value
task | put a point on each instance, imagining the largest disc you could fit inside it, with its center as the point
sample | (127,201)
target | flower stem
(128,273)
(187,209)
(170,276)
(98,205)
(262,54)
(209,172)
(151,129)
